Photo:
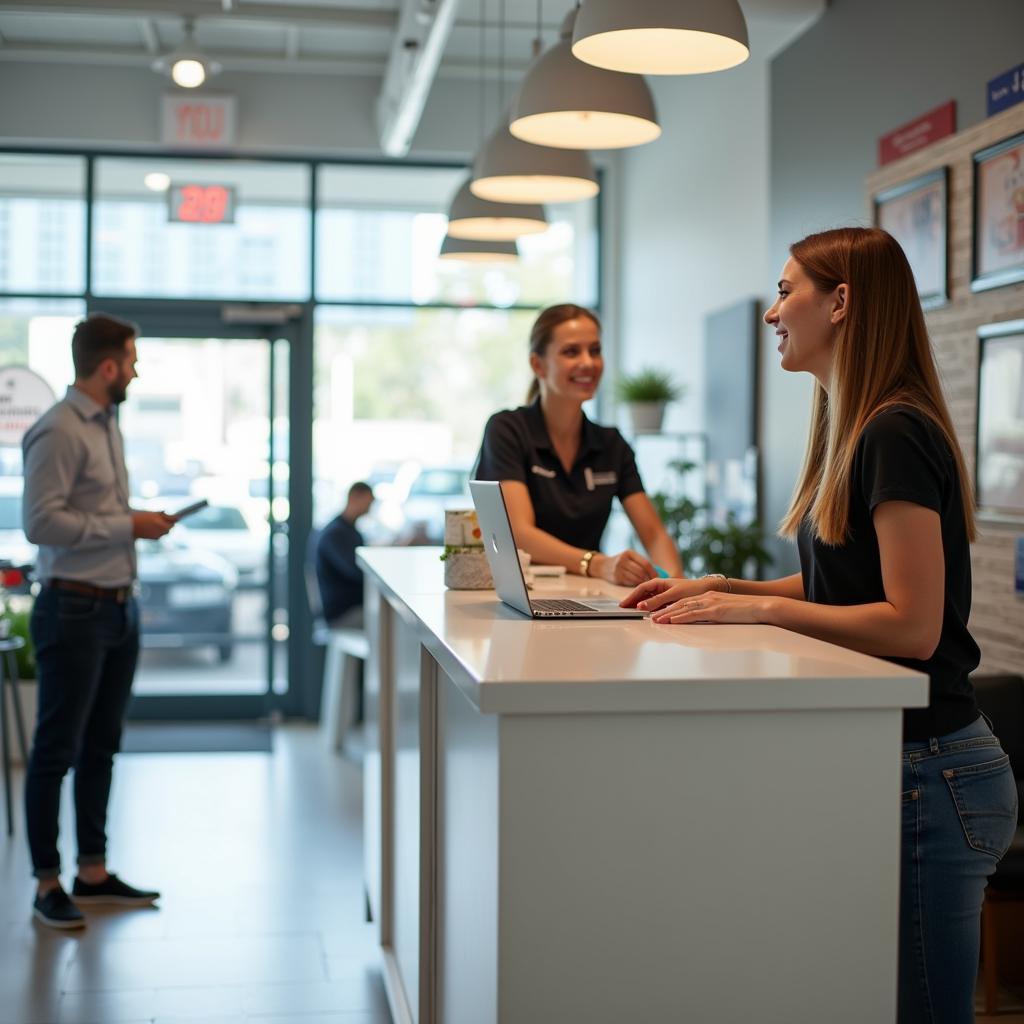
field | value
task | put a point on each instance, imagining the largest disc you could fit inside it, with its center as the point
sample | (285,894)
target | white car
(225,530)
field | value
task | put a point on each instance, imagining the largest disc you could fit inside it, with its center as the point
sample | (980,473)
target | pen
(661,572)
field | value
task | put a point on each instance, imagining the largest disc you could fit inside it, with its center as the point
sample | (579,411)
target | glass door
(207,419)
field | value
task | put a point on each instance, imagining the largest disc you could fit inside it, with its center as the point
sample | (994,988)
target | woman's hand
(627,568)
(712,606)
(657,593)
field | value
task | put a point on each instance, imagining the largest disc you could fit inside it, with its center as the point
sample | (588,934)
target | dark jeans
(959,815)
(86,650)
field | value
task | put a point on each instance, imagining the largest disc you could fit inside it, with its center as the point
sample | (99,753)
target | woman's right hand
(626,569)
(655,594)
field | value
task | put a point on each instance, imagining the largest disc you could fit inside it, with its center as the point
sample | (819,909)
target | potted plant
(647,392)
(732,548)
(15,618)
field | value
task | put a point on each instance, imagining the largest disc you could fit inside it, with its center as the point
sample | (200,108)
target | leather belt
(118,594)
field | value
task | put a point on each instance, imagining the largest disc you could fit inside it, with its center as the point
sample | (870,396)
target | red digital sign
(201,204)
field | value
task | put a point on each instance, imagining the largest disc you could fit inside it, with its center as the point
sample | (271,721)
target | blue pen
(661,572)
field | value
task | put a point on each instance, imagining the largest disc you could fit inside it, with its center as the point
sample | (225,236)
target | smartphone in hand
(189,510)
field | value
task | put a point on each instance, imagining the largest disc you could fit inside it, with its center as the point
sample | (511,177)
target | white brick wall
(997,617)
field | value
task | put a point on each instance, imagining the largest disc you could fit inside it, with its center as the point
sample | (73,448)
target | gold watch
(585,562)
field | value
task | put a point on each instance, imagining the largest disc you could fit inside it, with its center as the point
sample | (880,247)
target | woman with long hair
(560,471)
(883,516)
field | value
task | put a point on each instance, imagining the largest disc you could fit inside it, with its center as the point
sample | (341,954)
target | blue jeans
(86,649)
(959,815)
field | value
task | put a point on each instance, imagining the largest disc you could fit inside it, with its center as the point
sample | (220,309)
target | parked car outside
(435,489)
(226,531)
(185,597)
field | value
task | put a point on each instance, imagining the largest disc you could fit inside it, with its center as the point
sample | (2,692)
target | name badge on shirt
(595,480)
(548,474)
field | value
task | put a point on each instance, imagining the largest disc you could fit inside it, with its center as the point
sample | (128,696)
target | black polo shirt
(902,455)
(574,507)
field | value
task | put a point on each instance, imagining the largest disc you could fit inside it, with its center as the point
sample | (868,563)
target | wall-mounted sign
(24,397)
(201,204)
(1005,90)
(198,122)
(909,138)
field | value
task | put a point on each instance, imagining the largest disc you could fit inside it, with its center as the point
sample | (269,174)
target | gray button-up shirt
(75,505)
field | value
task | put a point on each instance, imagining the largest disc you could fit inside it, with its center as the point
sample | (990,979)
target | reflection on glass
(379,231)
(260,252)
(42,223)
(400,401)
(197,425)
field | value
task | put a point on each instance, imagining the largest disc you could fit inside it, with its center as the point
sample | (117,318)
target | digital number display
(201,204)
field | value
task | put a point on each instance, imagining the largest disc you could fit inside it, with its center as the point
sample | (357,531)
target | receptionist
(560,471)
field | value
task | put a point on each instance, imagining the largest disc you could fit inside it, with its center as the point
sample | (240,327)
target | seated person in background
(560,471)
(339,578)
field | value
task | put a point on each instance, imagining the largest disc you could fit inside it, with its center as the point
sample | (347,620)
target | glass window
(42,223)
(177,228)
(379,230)
(400,399)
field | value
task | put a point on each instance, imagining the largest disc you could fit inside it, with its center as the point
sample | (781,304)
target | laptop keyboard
(554,605)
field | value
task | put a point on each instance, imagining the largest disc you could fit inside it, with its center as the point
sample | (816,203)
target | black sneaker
(112,890)
(55,909)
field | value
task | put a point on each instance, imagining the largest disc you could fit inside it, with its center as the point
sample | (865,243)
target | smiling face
(572,363)
(804,319)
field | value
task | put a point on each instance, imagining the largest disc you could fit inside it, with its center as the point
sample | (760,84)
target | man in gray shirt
(85,622)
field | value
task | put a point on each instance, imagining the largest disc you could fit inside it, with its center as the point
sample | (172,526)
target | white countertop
(507,663)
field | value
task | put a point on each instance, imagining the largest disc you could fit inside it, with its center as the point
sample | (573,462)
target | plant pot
(647,416)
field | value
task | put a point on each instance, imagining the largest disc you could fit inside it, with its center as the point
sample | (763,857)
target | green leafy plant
(648,386)
(732,548)
(18,626)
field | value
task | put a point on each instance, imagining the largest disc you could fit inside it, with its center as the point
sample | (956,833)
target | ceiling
(340,37)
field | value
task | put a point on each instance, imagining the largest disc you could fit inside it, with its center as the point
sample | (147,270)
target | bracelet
(585,562)
(719,576)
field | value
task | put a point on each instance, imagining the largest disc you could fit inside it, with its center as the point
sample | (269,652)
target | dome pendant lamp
(565,103)
(508,170)
(661,37)
(473,218)
(476,251)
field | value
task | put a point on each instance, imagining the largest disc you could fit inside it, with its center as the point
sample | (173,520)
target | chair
(1001,697)
(346,648)
(9,681)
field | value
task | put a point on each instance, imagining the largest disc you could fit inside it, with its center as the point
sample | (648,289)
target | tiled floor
(259,859)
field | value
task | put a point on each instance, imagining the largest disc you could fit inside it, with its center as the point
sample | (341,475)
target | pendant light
(475,218)
(661,37)
(565,103)
(477,251)
(508,170)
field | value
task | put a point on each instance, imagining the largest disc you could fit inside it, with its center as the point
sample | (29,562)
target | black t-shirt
(574,507)
(903,456)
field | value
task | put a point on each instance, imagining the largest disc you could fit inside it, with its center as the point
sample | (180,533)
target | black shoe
(112,890)
(55,909)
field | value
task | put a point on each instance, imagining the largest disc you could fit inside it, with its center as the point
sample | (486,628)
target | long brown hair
(882,357)
(544,327)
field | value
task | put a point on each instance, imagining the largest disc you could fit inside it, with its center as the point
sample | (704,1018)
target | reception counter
(602,821)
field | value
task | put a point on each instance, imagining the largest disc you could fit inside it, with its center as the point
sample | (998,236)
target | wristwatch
(585,562)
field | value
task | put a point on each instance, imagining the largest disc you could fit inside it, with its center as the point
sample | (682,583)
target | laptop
(503,559)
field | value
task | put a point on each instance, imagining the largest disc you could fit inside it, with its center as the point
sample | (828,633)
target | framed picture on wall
(915,213)
(999,463)
(999,215)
